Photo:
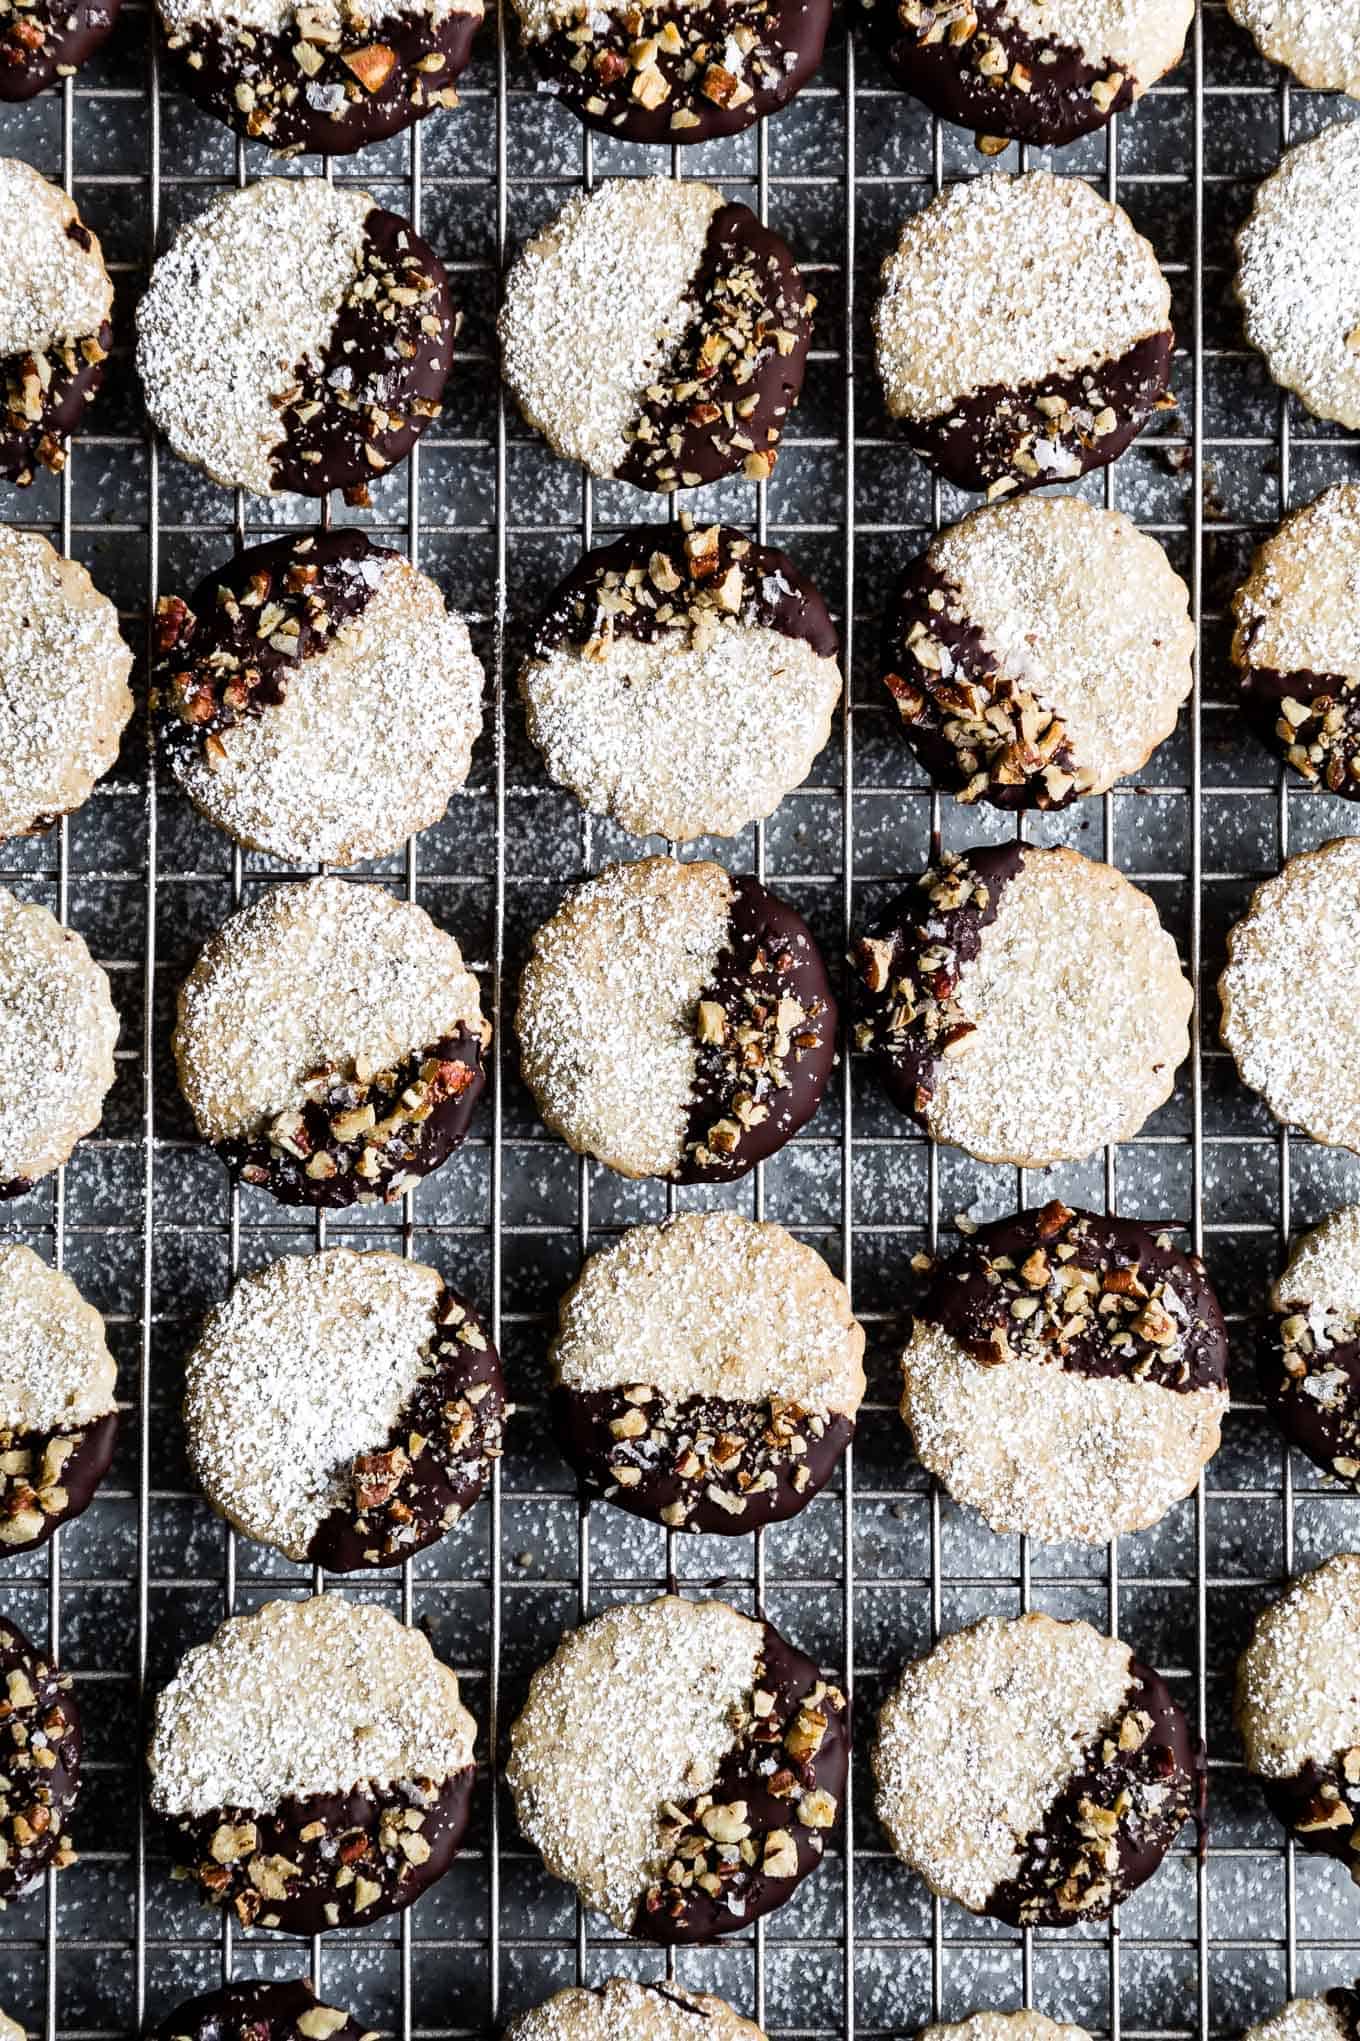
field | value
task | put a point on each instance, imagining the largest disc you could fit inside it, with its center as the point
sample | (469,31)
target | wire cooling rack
(143,1219)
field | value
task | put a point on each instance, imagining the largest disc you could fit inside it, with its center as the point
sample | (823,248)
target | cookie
(1033,1770)
(57,1031)
(1040,71)
(643,2012)
(1039,651)
(1320,45)
(1289,991)
(681,682)
(1066,1374)
(657,334)
(316,1764)
(58,1412)
(706,1373)
(317,701)
(680,1765)
(330,1044)
(258,2011)
(55,336)
(44,41)
(39,1762)
(675,1021)
(1310,1349)
(1024,331)
(344,1408)
(1018,2026)
(1025,1004)
(1298,1708)
(1333,2017)
(1298,273)
(10,2030)
(325,76)
(295,336)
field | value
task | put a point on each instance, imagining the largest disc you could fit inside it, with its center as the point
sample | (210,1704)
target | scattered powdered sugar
(1008,280)
(1303,2019)
(345,19)
(307,1364)
(1321,1281)
(624,2010)
(1143,38)
(712,1304)
(325,972)
(1298,1681)
(1298,273)
(1299,608)
(595,305)
(635,1709)
(1318,39)
(57,1031)
(56,1367)
(1026,2025)
(245,292)
(53,289)
(315,1696)
(979,1739)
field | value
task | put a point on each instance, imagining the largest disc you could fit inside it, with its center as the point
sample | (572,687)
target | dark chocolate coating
(990,435)
(37,1799)
(772,1780)
(48,40)
(970,1296)
(255,2011)
(213,62)
(1074,1868)
(1344,2001)
(763,1479)
(402,1501)
(38,421)
(87,1462)
(1327,1431)
(16,1187)
(357,1837)
(1333,724)
(596,76)
(1320,1805)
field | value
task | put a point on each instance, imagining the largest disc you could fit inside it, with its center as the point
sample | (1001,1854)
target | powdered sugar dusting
(56,1367)
(1298,1681)
(1303,2019)
(344,18)
(57,1031)
(1299,608)
(1299,272)
(623,2010)
(1026,2025)
(1318,39)
(53,289)
(1142,37)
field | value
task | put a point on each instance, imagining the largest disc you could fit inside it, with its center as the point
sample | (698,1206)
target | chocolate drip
(45,395)
(327,1151)
(39,1763)
(698,1463)
(1149,1315)
(909,965)
(1314,1397)
(48,1477)
(329,1860)
(1000,435)
(766,1034)
(436,1460)
(1320,1806)
(1324,743)
(254,2011)
(1344,2001)
(721,404)
(49,39)
(785,1772)
(1112,1823)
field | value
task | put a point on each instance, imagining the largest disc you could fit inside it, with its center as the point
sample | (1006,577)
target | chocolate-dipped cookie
(681,681)
(1037,651)
(295,336)
(1066,1374)
(39,1763)
(675,1021)
(315,1763)
(1310,1348)
(1335,2016)
(706,1373)
(1024,1003)
(316,699)
(58,1412)
(1023,332)
(344,1408)
(658,334)
(1040,71)
(55,300)
(326,76)
(642,2012)
(1320,45)
(1298,273)
(1034,1770)
(258,2011)
(1298,1709)
(44,41)
(680,1765)
(57,1032)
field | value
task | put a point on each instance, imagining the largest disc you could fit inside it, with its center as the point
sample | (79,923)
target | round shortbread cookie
(1026,2025)
(295,336)
(57,1031)
(345,1408)
(304,1724)
(258,2011)
(1298,1708)
(706,1373)
(40,1743)
(1333,2017)
(1040,71)
(1067,1374)
(10,2030)
(675,1021)
(1039,651)
(44,41)
(64,697)
(317,700)
(1320,45)
(1310,1356)
(1298,273)
(1024,331)
(55,301)
(681,682)
(680,1765)
(1033,1770)
(657,333)
(1024,1003)
(58,1412)
(330,1043)
(1290,988)
(641,2012)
